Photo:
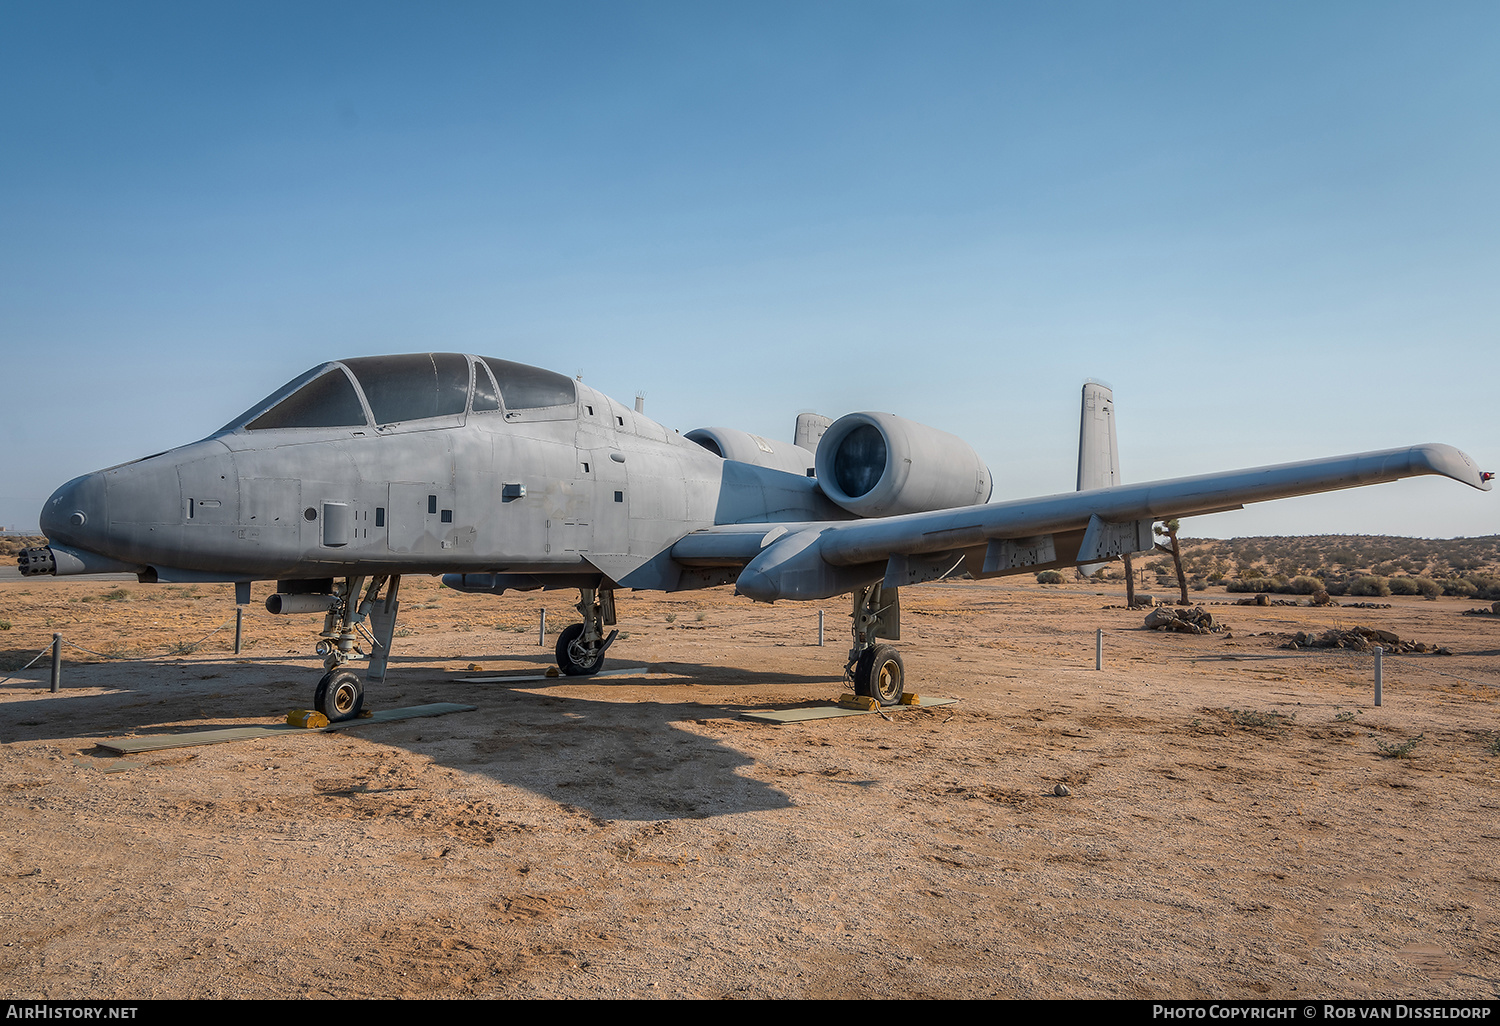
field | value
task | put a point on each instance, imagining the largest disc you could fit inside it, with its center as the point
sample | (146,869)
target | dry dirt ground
(638,837)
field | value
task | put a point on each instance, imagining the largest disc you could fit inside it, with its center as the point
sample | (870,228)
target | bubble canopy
(384,390)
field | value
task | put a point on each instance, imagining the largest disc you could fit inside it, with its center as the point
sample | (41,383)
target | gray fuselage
(562,489)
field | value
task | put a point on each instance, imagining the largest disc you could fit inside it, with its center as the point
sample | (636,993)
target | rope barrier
(29,665)
(187,647)
(183,646)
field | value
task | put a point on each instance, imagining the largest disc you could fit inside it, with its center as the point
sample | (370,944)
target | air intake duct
(882,465)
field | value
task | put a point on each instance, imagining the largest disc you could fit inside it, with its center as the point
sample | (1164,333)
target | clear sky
(1273,228)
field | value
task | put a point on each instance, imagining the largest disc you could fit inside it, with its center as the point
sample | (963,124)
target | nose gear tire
(340,695)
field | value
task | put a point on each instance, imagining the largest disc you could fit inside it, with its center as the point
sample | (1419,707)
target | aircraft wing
(820,559)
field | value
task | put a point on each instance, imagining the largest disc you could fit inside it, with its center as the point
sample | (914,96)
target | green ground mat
(189,739)
(826,712)
(628,671)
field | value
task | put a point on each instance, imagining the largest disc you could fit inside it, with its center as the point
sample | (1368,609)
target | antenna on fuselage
(640,402)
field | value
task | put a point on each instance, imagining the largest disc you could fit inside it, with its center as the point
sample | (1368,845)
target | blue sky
(1272,228)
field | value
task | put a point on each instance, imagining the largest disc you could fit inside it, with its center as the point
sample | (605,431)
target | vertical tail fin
(810,428)
(1098,451)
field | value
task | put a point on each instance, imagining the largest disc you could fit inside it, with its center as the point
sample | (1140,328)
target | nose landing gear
(340,694)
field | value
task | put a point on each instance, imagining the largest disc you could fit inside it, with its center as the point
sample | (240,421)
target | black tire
(570,660)
(340,695)
(881,675)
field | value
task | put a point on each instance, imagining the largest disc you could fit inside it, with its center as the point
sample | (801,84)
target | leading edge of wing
(807,560)
(867,540)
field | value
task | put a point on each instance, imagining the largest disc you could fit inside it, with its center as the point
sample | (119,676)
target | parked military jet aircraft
(506,477)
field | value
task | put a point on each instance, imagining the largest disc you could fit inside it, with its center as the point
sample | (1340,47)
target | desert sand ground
(638,837)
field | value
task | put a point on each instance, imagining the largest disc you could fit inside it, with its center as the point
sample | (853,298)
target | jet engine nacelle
(743,447)
(881,465)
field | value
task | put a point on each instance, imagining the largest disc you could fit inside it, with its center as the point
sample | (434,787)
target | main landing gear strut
(581,647)
(876,669)
(340,694)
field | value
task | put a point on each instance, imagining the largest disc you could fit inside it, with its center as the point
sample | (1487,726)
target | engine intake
(882,465)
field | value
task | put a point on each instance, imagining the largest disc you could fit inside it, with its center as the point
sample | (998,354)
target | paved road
(12,573)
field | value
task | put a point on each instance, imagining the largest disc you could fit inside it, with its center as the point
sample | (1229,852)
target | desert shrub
(1403,585)
(1428,588)
(1370,586)
(1485,587)
(1049,577)
(1401,750)
(1253,584)
(1304,585)
(1460,587)
(1275,721)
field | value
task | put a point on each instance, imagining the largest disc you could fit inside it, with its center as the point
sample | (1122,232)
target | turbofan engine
(881,465)
(733,444)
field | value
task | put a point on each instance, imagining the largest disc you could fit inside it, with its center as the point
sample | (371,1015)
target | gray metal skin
(595,496)
(606,489)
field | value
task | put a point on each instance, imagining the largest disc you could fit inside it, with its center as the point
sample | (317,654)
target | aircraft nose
(76,512)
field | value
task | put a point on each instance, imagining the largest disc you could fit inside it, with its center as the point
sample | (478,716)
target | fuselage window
(531,388)
(486,396)
(413,387)
(326,401)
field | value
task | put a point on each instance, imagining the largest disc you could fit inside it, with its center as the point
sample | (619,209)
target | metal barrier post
(541,638)
(56,663)
(1099,648)
(1379,658)
(820,628)
(239,627)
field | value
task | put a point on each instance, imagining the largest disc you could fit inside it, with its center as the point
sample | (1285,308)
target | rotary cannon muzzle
(36,562)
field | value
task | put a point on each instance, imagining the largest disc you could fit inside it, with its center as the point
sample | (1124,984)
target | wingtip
(1448,461)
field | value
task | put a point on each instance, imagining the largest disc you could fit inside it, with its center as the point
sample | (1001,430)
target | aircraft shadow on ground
(612,760)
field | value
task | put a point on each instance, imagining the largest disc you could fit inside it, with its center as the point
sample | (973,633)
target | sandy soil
(638,837)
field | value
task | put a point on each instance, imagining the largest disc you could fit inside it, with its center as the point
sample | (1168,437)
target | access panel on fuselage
(539,507)
(420,518)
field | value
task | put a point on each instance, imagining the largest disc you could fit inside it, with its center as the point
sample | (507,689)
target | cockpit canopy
(385,390)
